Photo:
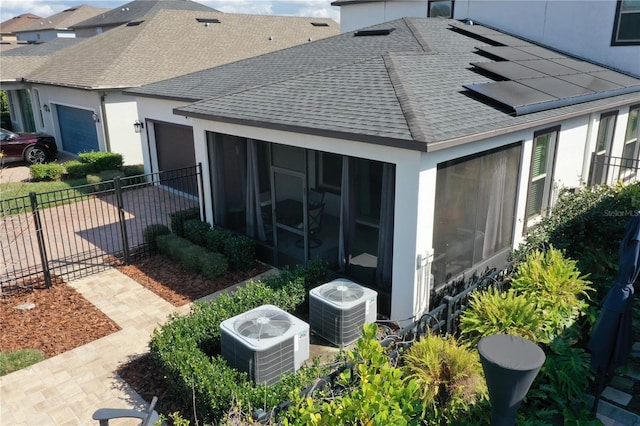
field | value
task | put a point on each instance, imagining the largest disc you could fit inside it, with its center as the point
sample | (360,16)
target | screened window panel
(629,27)
(536,196)
(475,205)
(605,134)
(540,156)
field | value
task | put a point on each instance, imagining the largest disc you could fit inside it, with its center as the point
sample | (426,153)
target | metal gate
(79,231)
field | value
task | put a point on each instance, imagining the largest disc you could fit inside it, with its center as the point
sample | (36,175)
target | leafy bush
(50,171)
(187,349)
(172,246)
(376,393)
(213,265)
(449,376)
(152,231)
(195,231)
(101,161)
(77,170)
(180,217)
(554,284)
(491,312)
(133,170)
(191,257)
(103,181)
(214,239)
(240,252)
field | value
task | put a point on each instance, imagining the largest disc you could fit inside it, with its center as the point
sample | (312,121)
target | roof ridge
(413,112)
(422,41)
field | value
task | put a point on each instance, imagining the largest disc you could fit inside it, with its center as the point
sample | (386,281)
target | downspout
(105,126)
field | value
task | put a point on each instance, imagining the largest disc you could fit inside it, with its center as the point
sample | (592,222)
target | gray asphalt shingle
(404,89)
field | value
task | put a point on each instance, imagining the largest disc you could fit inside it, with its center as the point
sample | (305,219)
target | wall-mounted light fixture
(138,126)
(46,108)
(95,117)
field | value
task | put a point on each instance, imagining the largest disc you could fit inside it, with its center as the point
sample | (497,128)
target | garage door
(175,150)
(77,129)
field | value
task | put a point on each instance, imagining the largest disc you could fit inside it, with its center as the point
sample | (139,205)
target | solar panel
(578,65)
(541,52)
(507,40)
(590,82)
(555,87)
(508,70)
(547,67)
(617,78)
(507,53)
(510,93)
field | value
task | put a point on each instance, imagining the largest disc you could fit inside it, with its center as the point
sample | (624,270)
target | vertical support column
(40,237)
(121,218)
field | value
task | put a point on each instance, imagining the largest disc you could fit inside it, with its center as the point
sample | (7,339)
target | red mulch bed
(60,321)
(177,286)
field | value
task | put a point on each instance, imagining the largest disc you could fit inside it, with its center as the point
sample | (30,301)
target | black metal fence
(78,231)
(607,170)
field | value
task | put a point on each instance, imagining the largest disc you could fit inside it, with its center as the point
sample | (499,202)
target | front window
(443,8)
(630,151)
(541,176)
(626,28)
(475,210)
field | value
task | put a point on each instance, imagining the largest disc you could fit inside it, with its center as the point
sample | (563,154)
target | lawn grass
(13,361)
(12,194)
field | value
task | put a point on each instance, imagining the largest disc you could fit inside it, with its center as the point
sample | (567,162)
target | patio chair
(148,417)
(315,223)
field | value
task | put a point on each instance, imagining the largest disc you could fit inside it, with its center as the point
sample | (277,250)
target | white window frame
(546,176)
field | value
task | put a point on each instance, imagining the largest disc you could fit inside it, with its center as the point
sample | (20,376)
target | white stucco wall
(582,28)
(120,110)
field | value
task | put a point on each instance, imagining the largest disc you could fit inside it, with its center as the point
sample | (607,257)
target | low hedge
(101,161)
(179,218)
(77,170)
(50,171)
(192,257)
(187,347)
(103,181)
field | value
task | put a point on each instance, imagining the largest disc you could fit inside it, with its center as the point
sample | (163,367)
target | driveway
(18,171)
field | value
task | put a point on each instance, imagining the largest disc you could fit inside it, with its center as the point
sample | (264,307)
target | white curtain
(494,224)
(253,212)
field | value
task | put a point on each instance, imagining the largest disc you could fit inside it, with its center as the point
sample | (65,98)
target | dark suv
(34,148)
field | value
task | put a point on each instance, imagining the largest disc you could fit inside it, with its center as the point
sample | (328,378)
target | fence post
(203,210)
(123,224)
(40,237)
(449,301)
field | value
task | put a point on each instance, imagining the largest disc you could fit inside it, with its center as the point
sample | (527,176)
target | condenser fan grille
(263,324)
(342,293)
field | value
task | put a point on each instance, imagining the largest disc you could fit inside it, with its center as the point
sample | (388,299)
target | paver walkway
(68,388)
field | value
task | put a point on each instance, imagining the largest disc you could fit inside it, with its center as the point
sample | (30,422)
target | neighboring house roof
(348,2)
(172,43)
(24,58)
(65,19)
(404,89)
(138,9)
(17,23)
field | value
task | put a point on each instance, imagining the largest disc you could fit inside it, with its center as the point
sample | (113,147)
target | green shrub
(491,312)
(449,376)
(214,265)
(13,361)
(180,217)
(77,170)
(103,181)
(185,348)
(214,239)
(171,246)
(554,284)
(195,231)
(240,252)
(50,171)
(133,170)
(102,160)
(191,257)
(375,392)
(152,231)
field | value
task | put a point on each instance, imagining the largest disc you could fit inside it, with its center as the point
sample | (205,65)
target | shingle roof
(17,22)
(15,63)
(403,89)
(138,9)
(65,19)
(172,43)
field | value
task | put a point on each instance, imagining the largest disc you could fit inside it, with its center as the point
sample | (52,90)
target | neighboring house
(431,157)
(15,63)
(604,31)
(8,27)
(131,12)
(77,92)
(58,25)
